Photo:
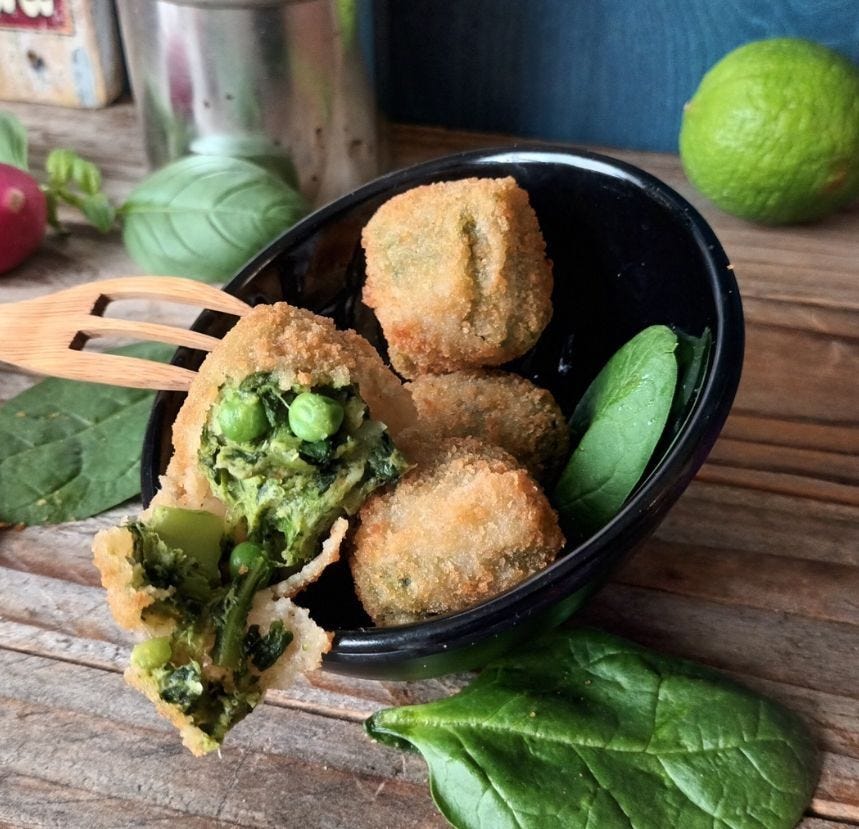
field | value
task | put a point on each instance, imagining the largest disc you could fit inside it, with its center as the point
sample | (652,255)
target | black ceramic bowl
(628,252)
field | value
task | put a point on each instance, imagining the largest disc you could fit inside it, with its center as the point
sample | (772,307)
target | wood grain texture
(755,571)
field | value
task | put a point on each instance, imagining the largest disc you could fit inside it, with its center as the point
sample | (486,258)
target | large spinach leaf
(13,141)
(617,424)
(69,450)
(587,731)
(205,216)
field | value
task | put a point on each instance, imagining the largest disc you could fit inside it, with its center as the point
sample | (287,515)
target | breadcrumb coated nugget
(299,348)
(457,275)
(194,571)
(464,526)
(497,407)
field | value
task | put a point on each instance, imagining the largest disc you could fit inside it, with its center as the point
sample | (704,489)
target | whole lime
(772,133)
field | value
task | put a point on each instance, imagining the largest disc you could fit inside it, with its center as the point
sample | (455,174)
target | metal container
(287,83)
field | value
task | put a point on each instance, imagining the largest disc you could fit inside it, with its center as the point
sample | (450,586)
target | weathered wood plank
(792,373)
(111,138)
(78,727)
(837,794)
(333,695)
(124,752)
(838,468)
(30,801)
(776,646)
(758,521)
(783,432)
(834,718)
(61,551)
(827,591)
(790,648)
(828,492)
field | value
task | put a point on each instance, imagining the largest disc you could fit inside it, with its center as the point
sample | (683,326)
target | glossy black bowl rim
(578,567)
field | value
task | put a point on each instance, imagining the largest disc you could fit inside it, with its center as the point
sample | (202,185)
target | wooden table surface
(755,571)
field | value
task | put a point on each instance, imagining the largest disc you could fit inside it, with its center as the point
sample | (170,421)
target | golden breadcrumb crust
(304,653)
(127,593)
(466,524)
(457,275)
(195,740)
(497,407)
(298,348)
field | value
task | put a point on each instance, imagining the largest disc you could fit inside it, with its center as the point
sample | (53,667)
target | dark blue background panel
(613,72)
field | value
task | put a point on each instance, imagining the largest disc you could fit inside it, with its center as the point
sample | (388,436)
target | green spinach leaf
(205,216)
(617,424)
(13,141)
(693,357)
(69,450)
(587,731)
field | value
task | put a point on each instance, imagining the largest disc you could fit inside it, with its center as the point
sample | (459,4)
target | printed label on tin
(48,15)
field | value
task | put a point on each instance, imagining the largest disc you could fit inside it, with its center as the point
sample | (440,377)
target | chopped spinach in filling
(209,666)
(288,463)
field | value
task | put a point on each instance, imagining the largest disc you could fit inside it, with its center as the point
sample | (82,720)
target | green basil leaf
(86,176)
(587,731)
(205,216)
(617,423)
(69,450)
(99,211)
(13,141)
(59,166)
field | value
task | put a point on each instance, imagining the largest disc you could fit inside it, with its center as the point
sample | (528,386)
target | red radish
(23,213)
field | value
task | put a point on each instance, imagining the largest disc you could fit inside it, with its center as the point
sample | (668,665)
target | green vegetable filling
(287,464)
(210,704)
(209,587)
(318,456)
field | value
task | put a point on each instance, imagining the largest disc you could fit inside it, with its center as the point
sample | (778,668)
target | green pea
(241,416)
(314,417)
(243,557)
(151,653)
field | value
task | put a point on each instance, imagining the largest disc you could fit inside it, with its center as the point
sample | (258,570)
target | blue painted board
(613,72)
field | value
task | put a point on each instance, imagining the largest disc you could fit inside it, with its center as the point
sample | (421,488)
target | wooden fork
(45,335)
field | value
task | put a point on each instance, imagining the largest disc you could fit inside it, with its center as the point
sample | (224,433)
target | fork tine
(114,370)
(40,334)
(151,331)
(175,288)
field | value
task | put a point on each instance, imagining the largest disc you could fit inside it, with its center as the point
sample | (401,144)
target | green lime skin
(772,133)
(314,417)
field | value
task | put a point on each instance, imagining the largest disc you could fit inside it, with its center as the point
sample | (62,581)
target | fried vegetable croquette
(457,275)
(497,407)
(463,526)
(248,384)
(280,437)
